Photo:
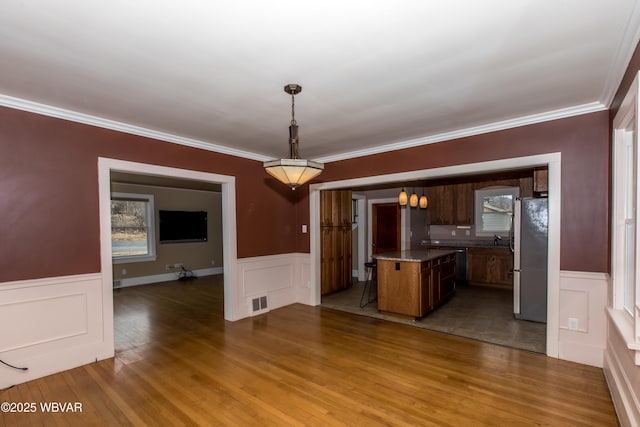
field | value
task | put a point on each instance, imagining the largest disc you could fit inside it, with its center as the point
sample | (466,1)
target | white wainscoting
(283,279)
(50,325)
(623,377)
(583,297)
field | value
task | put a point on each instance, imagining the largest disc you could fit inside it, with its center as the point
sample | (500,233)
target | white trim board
(229,243)
(553,162)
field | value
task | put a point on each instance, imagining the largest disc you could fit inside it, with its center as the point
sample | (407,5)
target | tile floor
(475,312)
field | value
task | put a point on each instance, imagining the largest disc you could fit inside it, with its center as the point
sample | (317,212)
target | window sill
(624,327)
(132,259)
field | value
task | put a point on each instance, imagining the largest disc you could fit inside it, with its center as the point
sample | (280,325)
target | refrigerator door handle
(517,210)
(512,237)
(516,293)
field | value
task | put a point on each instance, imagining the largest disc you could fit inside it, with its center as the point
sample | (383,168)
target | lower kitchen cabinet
(402,288)
(491,267)
(414,288)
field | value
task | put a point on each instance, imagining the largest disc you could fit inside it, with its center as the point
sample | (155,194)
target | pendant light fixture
(413,200)
(293,171)
(423,202)
(402,198)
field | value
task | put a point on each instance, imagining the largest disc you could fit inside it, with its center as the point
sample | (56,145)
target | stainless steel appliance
(529,246)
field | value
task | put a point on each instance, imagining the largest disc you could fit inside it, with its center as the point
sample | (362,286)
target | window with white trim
(625,237)
(132,228)
(494,210)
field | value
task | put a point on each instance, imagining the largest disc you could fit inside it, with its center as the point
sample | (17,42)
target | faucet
(496,238)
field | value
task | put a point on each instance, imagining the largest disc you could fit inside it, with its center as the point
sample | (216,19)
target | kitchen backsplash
(452,232)
(461,235)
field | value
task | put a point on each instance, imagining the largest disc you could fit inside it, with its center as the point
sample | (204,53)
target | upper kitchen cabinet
(540,181)
(450,204)
(335,208)
(464,204)
(440,209)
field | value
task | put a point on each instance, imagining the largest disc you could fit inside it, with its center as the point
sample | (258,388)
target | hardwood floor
(180,363)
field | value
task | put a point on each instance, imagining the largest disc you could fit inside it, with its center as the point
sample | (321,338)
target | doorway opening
(166,242)
(227,190)
(553,164)
(385,227)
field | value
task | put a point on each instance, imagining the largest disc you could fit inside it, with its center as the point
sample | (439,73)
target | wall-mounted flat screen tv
(183,226)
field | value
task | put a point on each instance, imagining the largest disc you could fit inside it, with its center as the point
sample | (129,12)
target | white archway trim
(105,166)
(551,160)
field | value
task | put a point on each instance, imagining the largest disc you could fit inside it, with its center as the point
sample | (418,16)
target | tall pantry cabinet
(335,240)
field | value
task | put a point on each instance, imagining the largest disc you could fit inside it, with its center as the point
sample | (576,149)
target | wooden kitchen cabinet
(463,202)
(414,288)
(335,241)
(335,259)
(335,208)
(401,288)
(453,204)
(450,204)
(491,267)
(447,279)
(441,209)
(427,291)
(540,180)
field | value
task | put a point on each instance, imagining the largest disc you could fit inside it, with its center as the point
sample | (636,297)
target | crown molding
(61,113)
(626,49)
(477,130)
(74,116)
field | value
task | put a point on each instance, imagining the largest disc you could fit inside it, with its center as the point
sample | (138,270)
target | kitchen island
(415,282)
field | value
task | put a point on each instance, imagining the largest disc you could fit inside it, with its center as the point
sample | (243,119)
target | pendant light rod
(293,90)
(293,171)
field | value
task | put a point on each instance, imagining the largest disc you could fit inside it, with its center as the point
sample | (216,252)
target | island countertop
(414,255)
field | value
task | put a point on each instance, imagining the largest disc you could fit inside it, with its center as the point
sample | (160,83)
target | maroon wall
(49,194)
(49,188)
(584,144)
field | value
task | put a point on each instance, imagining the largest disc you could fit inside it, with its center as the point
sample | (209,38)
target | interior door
(385,227)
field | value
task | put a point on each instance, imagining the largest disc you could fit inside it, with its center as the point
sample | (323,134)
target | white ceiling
(376,75)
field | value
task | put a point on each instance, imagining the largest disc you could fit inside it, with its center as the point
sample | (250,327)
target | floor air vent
(259,305)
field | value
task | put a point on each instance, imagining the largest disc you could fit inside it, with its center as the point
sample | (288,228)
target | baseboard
(167,277)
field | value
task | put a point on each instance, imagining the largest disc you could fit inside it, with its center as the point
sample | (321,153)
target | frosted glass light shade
(293,172)
(423,202)
(402,198)
(413,200)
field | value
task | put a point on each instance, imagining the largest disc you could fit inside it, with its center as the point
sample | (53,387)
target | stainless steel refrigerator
(529,245)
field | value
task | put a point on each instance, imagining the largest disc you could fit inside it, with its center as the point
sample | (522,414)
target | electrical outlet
(213,262)
(124,271)
(573,324)
(453,232)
